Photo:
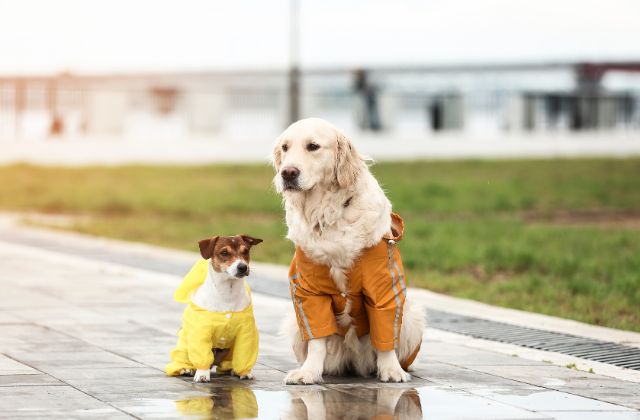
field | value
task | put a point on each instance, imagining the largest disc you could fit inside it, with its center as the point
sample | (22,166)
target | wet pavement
(81,338)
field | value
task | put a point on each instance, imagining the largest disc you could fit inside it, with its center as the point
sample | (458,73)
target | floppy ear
(348,163)
(276,156)
(250,240)
(207,246)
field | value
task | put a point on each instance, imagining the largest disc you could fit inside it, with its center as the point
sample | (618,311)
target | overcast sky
(48,36)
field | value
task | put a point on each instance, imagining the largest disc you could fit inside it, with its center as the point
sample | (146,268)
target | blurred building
(486,100)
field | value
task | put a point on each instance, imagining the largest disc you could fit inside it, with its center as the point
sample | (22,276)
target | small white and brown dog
(218,328)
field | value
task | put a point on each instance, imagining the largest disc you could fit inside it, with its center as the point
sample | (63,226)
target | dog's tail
(413,324)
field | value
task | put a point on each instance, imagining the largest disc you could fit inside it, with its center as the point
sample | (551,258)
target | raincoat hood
(194,279)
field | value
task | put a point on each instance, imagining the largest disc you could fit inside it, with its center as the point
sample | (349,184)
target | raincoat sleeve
(384,287)
(191,281)
(245,348)
(199,346)
(314,314)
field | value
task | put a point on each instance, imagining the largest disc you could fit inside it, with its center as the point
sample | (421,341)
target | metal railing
(176,106)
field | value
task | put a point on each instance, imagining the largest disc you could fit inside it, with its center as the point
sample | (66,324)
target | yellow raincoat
(204,332)
(226,403)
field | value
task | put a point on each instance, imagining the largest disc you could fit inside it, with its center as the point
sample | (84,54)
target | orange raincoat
(376,288)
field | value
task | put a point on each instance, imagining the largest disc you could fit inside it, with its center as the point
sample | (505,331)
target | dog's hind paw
(186,372)
(303,377)
(247,376)
(393,374)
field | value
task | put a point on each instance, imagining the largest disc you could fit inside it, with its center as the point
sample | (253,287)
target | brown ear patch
(250,240)
(207,246)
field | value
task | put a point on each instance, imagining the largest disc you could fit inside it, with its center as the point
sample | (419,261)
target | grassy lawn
(560,237)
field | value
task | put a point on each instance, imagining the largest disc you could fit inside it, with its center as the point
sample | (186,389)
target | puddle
(349,401)
(296,403)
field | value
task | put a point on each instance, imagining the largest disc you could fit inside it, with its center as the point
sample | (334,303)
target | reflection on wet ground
(299,403)
(371,400)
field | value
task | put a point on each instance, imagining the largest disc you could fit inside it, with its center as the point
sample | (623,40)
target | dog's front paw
(393,374)
(303,377)
(202,376)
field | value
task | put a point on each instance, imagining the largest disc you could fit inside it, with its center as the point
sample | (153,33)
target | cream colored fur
(337,211)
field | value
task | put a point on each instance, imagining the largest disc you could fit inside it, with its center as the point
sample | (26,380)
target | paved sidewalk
(84,337)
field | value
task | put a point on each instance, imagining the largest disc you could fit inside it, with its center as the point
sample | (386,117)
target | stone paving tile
(23,298)
(26,334)
(117,336)
(129,385)
(72,360)
(54,347)
(437,403)
(102,373)
(611,391)
(568,380)
(47,401)
(60,317)
(464,378)
(28,380)
(548,400)
(11,367)
(460,355)
(8,317)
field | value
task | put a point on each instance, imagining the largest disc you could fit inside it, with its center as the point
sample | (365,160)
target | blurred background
(153,121)
(179,70)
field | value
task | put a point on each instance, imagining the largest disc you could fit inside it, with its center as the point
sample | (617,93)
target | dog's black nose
(290,173)
(242,268)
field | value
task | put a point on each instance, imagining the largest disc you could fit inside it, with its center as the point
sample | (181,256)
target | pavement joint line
(73,386)
(33,385)
(19,374)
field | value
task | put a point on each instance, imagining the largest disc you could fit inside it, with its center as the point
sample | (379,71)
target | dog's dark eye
(312,147)
(224,253)
(285,147)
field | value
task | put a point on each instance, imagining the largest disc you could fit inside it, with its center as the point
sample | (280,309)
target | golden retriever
(335,209)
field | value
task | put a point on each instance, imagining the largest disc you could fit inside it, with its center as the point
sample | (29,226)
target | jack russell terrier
(218,326)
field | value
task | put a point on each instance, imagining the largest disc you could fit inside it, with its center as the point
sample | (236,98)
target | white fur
(337,211)
(202,375)
(389,369)
(311,370)
(221,292)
